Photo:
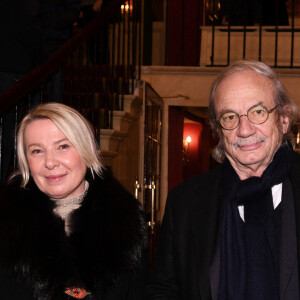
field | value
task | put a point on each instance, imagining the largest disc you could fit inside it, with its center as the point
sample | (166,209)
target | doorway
(190,144)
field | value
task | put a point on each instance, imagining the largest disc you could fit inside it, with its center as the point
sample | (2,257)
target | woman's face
(55,165)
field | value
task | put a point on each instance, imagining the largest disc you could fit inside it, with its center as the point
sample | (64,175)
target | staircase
(102,92)
(111,139)
(120,145)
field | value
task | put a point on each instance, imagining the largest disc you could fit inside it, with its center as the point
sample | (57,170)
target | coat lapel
(288,250)
(295,180)
(205,219)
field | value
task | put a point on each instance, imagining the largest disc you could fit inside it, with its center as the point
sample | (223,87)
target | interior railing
(91,72)
(267,31)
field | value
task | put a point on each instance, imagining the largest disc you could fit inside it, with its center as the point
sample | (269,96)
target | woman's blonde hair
(72,124)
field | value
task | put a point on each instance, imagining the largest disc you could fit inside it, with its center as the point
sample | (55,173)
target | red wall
(200,148)
(184,20)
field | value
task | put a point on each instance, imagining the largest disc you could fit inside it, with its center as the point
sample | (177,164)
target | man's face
(249,147)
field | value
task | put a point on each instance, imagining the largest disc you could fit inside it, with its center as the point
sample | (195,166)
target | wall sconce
(296,137)
(125,8)
(186,150)
(297,141)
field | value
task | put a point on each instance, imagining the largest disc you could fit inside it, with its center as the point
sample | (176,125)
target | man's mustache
(248,141)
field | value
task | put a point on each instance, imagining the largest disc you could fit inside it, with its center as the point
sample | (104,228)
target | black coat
(102,254)
(189,235)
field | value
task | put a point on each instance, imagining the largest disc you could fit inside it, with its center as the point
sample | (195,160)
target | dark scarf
(249,256)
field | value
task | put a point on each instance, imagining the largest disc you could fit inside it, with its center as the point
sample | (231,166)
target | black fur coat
(102,254)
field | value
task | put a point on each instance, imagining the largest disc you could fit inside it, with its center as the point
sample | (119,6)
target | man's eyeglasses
(257,114)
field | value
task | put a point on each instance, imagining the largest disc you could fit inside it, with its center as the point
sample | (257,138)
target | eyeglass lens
(256,114)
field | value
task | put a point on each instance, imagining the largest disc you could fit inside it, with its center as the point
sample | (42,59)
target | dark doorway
(190,144)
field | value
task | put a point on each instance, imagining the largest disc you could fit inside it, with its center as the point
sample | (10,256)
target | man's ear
(285,118)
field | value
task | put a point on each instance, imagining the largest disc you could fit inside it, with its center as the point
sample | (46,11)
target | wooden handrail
(20,89)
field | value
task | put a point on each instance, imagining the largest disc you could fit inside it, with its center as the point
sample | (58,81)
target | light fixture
(125,7)
(186,150)
(296,137)
(297,144)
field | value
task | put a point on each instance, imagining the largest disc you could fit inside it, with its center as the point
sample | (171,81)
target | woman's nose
(51,161)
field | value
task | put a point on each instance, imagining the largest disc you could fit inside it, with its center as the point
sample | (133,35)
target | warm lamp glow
(125,7)
(186,149)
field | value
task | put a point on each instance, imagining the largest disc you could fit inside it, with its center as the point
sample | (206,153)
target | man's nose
(245,128)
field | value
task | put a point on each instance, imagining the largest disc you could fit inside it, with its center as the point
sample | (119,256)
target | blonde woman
(68,229)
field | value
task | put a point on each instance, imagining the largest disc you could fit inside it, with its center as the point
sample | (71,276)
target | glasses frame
(246,115)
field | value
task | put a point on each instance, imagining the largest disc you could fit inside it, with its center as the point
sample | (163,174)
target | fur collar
(108,235)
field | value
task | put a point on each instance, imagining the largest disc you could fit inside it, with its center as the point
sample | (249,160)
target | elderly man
(234,232)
